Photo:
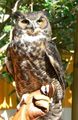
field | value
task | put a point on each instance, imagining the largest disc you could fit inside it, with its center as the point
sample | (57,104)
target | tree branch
(14,9)
(3,36)
(4,48)
(15,6)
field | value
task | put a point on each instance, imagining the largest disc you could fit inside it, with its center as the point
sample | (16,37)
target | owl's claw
(45,89)
(22,101)
(48,90)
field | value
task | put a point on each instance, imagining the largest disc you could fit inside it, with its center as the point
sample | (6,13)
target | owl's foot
(22,101)
(48,90)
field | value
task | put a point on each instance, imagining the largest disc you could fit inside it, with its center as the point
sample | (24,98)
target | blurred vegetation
(62,16)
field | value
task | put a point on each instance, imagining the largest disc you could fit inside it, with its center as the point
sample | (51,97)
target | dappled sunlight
(6,100)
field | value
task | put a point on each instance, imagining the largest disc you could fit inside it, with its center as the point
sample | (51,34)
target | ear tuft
(44,12)
(17,15)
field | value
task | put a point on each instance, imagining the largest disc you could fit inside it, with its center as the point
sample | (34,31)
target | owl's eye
(42,22)
(39,21)
(25,21)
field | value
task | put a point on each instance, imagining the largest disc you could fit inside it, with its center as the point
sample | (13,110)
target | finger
(43,105)
(34,112)
(23,100)
(41,97)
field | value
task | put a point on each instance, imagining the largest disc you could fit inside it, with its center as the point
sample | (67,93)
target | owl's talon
(22,101)
(48,90)
(45,89)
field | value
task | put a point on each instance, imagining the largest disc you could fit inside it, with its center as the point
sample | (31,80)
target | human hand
(35,106)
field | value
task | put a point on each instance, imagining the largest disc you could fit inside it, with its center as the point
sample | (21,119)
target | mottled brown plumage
(33,58)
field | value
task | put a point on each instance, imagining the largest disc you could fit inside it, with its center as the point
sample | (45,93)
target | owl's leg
(23,100)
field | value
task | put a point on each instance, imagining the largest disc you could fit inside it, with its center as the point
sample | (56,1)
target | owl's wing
(55,60)
(8,62)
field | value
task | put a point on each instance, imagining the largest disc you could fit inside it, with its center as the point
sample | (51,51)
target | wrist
(27,116)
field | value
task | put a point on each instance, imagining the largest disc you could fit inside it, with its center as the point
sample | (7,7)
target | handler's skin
(36,105)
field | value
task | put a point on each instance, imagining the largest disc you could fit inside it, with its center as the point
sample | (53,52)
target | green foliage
(24,8)
(2,57)
(69,79)
(62,20)
(7,28)
(5,74)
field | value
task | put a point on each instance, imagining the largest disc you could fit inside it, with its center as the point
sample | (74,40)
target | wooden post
(75,81)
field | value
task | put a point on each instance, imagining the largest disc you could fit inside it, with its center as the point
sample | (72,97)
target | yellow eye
(42,22)
(23,23)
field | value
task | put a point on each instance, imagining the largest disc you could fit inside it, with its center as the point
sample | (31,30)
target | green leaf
(7,28)
(5,74)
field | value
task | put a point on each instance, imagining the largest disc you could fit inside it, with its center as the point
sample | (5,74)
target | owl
(34,61)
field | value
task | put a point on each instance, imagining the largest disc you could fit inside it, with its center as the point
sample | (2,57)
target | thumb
(41,102)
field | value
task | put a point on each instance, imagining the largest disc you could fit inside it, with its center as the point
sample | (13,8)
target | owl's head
(34,26)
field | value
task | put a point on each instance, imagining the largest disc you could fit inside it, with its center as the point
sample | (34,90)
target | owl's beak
(32,32)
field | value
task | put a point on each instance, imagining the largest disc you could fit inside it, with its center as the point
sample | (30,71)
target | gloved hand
(36,105)
(1,118)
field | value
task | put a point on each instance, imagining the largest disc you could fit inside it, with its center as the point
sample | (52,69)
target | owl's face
(34,26)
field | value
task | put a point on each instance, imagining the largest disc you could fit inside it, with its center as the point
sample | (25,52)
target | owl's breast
(32,57)
(35,59)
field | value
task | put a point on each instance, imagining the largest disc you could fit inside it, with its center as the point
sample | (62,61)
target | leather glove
(1,118)
(36,105)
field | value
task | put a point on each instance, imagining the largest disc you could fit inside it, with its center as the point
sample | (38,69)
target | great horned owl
(34,61)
